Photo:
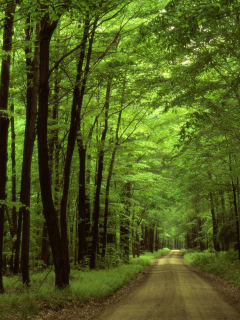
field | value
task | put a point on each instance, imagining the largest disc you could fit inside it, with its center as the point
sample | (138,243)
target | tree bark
(61,262)
(13,222)
(31,113)
(45,255)
(236,217)
(59,241)
(110,171)
(4,120)
(125,224)
(96,209)
(215,224)
(151,240)
(82,244)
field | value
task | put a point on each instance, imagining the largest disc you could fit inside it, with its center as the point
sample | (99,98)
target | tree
(4,120)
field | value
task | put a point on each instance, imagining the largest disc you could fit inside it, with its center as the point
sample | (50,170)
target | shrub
(224,264)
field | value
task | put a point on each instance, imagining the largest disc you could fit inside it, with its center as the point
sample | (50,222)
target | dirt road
(172,291)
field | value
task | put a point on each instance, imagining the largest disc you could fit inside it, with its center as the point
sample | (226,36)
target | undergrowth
(21,302)
(223,264)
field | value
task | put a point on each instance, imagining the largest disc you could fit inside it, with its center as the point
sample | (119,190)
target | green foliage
(95,284)
(223,264)
(147,257)
(175,76)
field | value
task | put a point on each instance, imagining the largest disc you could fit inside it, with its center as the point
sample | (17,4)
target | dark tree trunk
(96,210)
(156,240)
(125,224)
(88,207)
(13,222)
(58,242)
(133,237)
(61,261)
(151,240)
(31,113)
(201,244)
(110,171)
(215,224)
(188,241)
(236,216)
(45,254)
(146,240)
(137,244)
(4,120)
(82,244)
(17,244)
(54,151)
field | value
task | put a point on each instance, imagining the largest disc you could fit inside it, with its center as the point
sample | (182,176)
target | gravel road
(172,291)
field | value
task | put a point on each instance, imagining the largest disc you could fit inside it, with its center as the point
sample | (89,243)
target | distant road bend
(172,291)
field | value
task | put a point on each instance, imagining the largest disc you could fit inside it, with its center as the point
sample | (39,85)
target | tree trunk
(96,210)
(82,244)
(236,216)
(137,244)
(59,242)
(151,240)
(4,120)
(110,171)
(133,237)
(88,202)
(45,255)
(215,224)
(17,244)
(13,222)
(61,261)
(157,240)
(125,224)
(31,113)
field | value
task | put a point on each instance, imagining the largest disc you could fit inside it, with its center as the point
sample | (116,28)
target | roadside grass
(223,264)
(19,302)
(146,258)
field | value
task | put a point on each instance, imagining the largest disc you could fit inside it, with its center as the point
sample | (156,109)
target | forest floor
(168,289)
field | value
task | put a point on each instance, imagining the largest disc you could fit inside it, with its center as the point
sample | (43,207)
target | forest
(119,131)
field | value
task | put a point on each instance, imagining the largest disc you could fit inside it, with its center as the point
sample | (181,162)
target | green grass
(146,259)
(98,284)
(223,264)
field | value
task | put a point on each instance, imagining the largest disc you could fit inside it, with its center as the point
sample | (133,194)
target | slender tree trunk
(17,244)
(151,242)
(31,113)
(110,171)
(54,168)
(157,240)
(125,224)
(200,236)
(133,236)
(88,201)
(82,244)
(61,263)
(13,222)
(236,216)
(215,224)
(96,209)
(137,242)
(59,242)
(4,120)
(45,255)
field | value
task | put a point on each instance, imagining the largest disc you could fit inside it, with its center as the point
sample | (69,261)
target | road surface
(172,291)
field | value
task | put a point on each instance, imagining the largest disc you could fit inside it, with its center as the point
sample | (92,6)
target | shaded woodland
(119,131)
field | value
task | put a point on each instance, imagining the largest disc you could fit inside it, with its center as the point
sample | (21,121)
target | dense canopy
(119,130)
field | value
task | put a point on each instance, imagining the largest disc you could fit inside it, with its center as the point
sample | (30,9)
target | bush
(223,264)
(84,284)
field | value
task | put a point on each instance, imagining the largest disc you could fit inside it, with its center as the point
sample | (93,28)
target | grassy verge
(19,302)
(146,259)
(223,264)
